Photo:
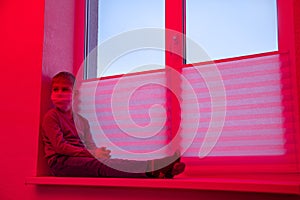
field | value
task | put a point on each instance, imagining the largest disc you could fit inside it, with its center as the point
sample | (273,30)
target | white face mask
(62,101)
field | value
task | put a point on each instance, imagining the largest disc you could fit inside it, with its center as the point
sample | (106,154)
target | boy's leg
(123,168)
(91,167)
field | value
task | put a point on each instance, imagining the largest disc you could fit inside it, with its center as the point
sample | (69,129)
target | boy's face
(61,95)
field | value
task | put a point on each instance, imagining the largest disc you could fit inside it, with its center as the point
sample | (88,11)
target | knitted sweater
(62,137)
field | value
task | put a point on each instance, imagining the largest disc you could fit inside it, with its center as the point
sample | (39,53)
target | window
(234,113)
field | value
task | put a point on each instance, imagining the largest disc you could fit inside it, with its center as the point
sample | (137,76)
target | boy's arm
(89,141)
(53,133)
(101,152)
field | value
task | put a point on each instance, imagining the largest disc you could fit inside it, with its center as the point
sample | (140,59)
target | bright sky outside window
(118,17)
(231,28)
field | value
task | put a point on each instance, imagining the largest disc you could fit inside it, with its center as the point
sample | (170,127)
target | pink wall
(57,54)
(24,73)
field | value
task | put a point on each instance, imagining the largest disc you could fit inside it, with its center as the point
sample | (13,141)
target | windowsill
(276,184)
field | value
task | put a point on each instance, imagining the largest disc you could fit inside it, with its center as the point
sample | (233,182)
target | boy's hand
(102,153)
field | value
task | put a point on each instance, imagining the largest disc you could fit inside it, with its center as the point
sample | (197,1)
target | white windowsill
(266,185)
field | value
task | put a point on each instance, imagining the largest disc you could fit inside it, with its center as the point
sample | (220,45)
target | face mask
(63,101)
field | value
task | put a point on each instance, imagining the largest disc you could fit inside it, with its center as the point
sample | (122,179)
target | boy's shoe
(172,164)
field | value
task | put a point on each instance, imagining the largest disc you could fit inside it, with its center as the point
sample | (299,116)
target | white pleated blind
(246,123)
(127,114)
(258,129)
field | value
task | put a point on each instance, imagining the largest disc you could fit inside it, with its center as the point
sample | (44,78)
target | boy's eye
(55,89)
(66,89)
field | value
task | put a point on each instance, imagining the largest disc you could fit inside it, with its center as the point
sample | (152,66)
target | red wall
(21,39)
(23,74)
(297,33)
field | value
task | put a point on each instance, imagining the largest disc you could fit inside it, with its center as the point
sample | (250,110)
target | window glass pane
(118,17)
(231,28)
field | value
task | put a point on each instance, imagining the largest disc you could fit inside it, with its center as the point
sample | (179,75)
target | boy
(71,151)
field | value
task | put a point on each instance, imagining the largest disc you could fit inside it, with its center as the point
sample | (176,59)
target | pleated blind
(127,114)
(258,130)
(245,124)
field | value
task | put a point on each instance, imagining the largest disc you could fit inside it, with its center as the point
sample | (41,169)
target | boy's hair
(64,76)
